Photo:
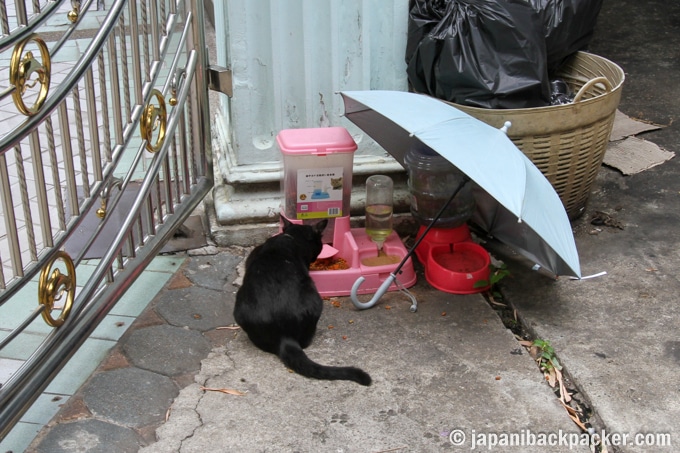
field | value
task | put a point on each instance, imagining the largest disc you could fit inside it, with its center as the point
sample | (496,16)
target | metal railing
(93,105)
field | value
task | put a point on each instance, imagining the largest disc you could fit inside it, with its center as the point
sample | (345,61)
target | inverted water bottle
(379,201)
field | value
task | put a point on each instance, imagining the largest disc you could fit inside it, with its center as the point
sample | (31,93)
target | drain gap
(579,408)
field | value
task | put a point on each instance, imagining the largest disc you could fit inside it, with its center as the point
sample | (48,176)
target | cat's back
(279,256)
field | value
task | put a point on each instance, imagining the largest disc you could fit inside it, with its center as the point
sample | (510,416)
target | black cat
(278,305)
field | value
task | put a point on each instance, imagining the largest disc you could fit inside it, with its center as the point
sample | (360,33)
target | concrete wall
(289,58)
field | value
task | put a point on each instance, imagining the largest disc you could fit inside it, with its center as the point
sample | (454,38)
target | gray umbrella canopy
(515,203)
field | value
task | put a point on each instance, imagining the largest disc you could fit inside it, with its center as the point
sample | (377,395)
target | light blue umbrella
(516,204)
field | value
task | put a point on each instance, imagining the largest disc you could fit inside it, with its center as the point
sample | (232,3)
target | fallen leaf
(498,378)
(331,327)
(227,391)
(564,393)
(344,337)
(574,418)
(336,303)
(526,343)
(443,313)
(551,377)
(602,218)
(534,352)
(179,281)
(387,307)
(351,321)
(570,409)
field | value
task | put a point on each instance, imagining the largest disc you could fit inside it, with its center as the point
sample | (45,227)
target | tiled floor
(88,357)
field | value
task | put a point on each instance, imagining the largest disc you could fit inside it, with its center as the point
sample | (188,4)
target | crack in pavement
(588,415)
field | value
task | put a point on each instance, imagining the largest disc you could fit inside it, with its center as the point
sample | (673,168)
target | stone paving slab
(165,349)
(196,308)
(92,436)
(130,397)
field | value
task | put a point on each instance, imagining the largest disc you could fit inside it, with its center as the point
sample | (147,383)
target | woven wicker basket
(567,142)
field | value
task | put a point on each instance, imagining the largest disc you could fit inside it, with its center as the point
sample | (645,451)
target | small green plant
(545,356)
(497,274)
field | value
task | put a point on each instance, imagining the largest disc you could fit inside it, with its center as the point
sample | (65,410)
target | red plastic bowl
(455,268)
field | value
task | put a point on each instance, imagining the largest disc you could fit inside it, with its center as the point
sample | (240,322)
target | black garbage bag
(423,17)
(483,53)
(568,26)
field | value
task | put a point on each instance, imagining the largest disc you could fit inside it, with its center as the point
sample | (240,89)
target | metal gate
(87,115)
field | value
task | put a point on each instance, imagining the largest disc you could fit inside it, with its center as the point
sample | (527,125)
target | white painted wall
(289,58)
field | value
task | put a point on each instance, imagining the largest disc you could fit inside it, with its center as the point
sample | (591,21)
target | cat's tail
(292,355)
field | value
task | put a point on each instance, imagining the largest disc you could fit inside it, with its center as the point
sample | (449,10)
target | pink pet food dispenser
(317,184)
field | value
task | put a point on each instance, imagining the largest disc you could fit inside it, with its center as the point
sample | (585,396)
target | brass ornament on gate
(154,118)
(74,14)
(54,286)
(174,85)
(106,194)
(25,72)
(173,98)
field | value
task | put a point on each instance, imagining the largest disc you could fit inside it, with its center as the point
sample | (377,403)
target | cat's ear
(319,227)
(286,222)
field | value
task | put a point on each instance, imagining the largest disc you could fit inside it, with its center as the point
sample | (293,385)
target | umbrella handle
(378,294)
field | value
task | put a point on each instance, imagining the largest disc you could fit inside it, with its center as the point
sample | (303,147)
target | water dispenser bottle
(431,181)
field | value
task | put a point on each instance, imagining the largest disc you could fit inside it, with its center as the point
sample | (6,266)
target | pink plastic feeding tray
(354,246)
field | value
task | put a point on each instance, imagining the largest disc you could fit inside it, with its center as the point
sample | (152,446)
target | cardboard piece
(625,126)
(630,154)
(633,155)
